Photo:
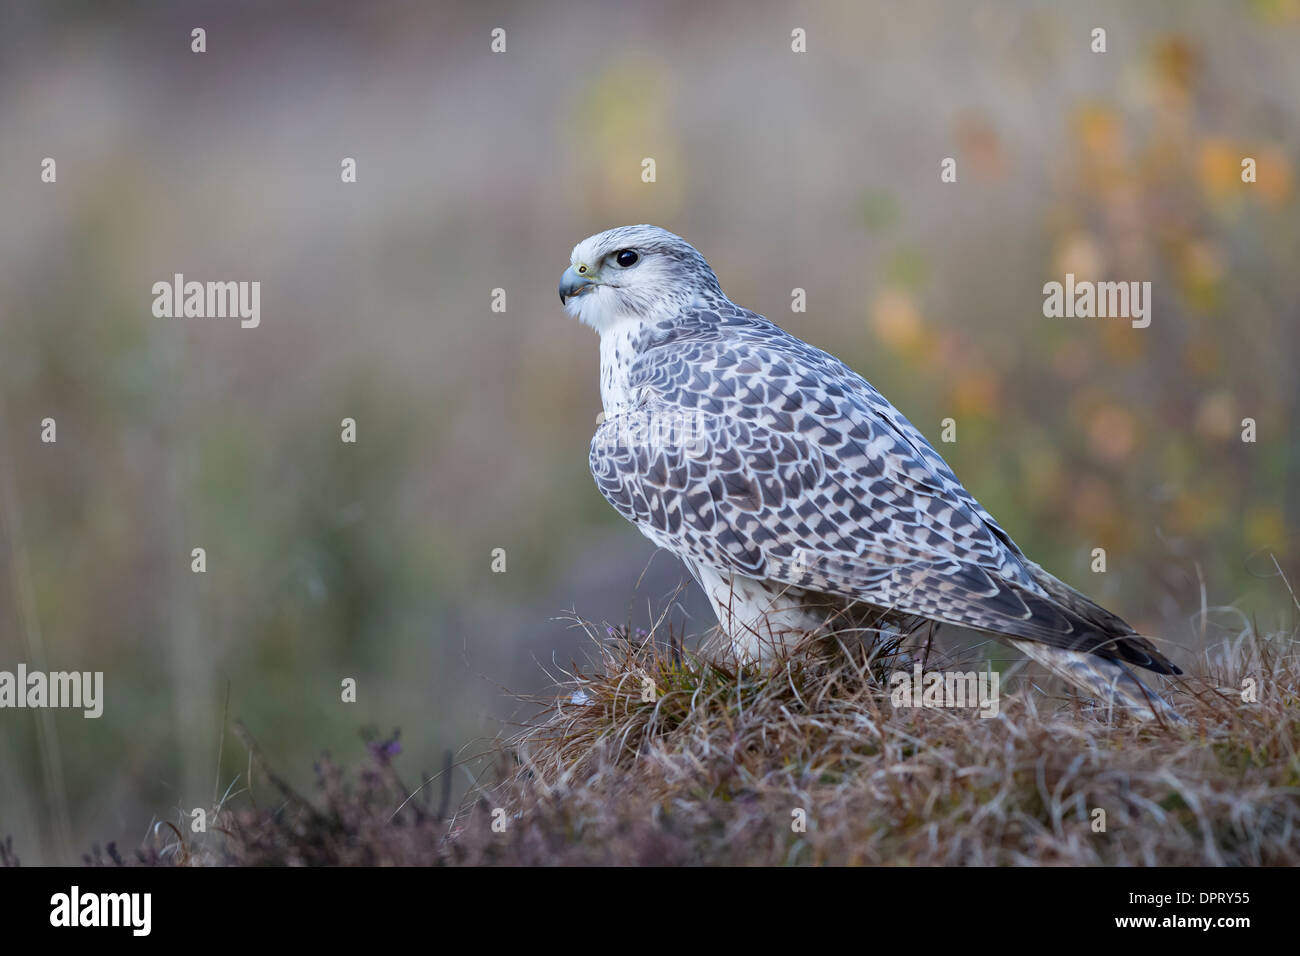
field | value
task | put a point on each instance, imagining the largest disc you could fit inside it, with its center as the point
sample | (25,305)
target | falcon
(798,497)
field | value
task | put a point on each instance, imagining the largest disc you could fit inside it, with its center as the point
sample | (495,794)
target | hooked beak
(572,284)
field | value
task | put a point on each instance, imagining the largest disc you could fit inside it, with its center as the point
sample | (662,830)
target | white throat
(617,342)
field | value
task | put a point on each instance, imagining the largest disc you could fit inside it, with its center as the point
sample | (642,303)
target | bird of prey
(795,493)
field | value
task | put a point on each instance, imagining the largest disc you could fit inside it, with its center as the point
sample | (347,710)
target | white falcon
(796,494)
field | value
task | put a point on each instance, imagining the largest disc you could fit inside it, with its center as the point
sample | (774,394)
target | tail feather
(1125,642)
(1109,681)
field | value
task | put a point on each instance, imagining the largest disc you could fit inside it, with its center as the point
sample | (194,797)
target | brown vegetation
(716,767)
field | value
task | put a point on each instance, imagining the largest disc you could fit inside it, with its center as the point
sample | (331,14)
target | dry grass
(714,768)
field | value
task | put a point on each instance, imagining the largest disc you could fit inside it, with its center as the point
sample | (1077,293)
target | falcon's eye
(626,257)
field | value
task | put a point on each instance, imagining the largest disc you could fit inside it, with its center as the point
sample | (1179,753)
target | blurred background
(479,170)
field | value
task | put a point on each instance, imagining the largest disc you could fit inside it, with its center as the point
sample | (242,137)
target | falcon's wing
(772,459)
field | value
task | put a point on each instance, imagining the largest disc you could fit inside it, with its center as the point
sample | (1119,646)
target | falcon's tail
(1124,642)
(1109,681)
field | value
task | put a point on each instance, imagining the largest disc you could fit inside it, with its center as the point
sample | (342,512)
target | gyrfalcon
(800,499)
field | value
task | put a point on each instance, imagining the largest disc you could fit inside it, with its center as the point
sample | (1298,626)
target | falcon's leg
(762,619)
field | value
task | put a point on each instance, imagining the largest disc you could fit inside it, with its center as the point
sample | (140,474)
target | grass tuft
(718,765)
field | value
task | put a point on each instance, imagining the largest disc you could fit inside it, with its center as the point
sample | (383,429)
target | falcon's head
(634,272)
